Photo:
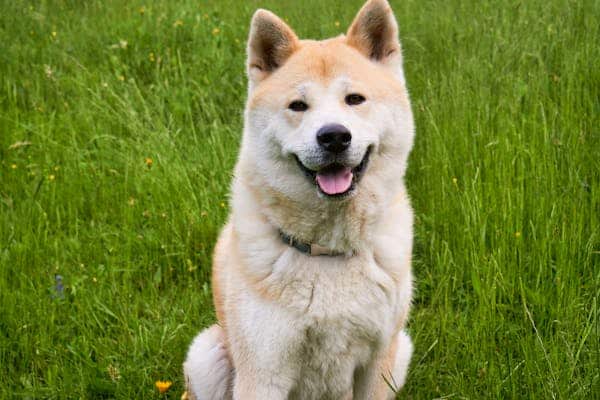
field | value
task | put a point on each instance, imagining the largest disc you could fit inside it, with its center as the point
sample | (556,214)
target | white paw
(403,355)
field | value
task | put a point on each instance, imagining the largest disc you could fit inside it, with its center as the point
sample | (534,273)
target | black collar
(308,248)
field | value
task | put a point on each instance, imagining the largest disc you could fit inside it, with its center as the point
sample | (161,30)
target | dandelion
(178,23)
(517,234)
(54,34)
(216,31)
(121,78)
(455,181)
(185,396)
(163,386)
(149,162)
(56,168)
(51,177)
(151,57)
(142,10)
(222,205)
(337,24)
(13,166)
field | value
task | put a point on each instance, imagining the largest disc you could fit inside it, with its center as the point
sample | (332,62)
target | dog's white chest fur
(331,318)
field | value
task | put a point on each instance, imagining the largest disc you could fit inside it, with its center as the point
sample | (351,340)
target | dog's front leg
(260,387)
(364,381)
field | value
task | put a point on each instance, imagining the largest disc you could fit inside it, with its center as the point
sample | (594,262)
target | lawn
(119,128)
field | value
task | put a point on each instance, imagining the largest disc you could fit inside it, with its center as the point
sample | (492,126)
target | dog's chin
(336,181)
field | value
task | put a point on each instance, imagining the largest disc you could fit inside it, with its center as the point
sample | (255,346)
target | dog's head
(323,117)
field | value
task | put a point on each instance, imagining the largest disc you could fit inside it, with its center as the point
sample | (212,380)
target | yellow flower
(13,166)
(337,24)
(185,396)
(149,162)
(163,386)
(142,10)
(131,201)
(216,31)
(51,177)
(53,34)
(121,78)
(517,234)
(151,57)
(178,23)
(455,181)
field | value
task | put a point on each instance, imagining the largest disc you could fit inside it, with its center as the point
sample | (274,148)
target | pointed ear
(374,32)
(270,43)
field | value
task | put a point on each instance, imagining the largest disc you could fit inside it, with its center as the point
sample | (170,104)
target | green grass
(504,177)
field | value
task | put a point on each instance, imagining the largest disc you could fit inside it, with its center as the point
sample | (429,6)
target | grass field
(119,126)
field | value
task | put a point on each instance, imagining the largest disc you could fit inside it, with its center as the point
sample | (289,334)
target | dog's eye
(354,99)
(298,106)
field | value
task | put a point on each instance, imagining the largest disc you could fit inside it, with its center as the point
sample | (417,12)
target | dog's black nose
(334,138)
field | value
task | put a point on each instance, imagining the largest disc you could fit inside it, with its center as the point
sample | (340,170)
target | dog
(311,276)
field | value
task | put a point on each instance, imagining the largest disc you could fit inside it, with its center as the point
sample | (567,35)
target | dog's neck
(340,225)
(337,225)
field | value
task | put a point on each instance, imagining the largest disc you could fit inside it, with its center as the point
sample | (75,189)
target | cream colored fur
(294,326)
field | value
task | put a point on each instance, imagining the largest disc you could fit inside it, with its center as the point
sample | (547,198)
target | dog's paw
(403,355)
(207,368)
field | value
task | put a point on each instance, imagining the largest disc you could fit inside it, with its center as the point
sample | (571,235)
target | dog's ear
(374,32)
(270,43)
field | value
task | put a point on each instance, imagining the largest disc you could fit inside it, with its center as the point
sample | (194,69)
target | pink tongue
(335,182)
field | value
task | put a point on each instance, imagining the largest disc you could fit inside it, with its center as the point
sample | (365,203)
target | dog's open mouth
(336,179)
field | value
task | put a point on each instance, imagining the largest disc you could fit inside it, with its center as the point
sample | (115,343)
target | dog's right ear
(270,43)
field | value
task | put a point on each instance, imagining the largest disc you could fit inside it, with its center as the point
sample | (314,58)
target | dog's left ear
(374,32)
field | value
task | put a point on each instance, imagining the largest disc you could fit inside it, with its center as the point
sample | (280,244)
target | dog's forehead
(325,61)
(327,64)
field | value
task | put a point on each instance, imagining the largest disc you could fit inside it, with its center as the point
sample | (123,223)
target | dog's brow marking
(345,82)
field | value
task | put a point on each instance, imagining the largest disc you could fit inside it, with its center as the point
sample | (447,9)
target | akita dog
(312,274)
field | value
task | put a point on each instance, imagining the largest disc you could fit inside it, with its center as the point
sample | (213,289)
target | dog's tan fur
(291,325)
